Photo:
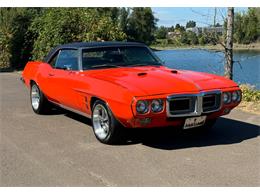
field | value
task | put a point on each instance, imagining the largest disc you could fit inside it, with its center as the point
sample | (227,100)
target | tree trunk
(229,44)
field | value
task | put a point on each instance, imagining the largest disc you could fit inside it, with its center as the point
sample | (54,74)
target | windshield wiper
(105,65)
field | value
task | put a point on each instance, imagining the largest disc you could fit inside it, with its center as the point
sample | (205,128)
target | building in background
(203,30)
(174,35)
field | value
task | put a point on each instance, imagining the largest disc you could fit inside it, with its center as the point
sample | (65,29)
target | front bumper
(166,118)
(164,121)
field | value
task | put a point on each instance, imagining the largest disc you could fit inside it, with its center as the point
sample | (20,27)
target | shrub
(15,47)
(63,25)
(29,33)
(250,94)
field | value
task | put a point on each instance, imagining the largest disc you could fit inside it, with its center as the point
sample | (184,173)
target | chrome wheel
(100,121)
(35,97)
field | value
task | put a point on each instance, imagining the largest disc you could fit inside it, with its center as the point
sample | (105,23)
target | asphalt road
(61,150)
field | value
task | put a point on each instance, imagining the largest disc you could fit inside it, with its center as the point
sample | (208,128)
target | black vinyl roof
(98,44)
(77,45)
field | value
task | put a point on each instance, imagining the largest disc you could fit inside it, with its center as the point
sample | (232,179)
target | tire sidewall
(38,110)
(112,123)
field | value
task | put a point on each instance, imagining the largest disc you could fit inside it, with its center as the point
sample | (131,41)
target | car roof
(77,45)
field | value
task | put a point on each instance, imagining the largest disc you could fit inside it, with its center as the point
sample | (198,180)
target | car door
(62,75)
(50,86)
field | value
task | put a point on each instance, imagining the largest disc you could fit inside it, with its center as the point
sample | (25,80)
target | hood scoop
(174,71)
(141,74)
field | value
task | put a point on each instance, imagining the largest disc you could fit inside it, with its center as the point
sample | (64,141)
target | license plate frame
(194,122)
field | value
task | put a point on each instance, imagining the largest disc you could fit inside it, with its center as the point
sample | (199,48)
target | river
(246,63)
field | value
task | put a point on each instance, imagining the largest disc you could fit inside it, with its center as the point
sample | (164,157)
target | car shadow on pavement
(225,131)
(54,110)
(77,117)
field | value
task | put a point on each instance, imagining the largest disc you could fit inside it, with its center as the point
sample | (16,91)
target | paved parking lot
(61,150)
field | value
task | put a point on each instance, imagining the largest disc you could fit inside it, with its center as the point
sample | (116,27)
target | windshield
(107,57)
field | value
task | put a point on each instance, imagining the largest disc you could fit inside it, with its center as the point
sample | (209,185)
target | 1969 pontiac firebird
(124,84)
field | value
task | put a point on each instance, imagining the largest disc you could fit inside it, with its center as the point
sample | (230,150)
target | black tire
(115,129)
(44,105)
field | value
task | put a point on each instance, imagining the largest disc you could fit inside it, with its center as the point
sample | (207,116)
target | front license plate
(194,122)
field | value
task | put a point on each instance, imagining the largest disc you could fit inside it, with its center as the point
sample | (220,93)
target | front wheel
(40,104)
(105,126)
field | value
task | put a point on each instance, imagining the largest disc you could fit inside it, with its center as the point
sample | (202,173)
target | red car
(124,84)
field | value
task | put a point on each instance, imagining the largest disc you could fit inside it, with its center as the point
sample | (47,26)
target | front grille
(182,105)
(211,102)
(193,104)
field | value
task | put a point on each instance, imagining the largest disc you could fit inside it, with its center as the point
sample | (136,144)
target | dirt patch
(252,107)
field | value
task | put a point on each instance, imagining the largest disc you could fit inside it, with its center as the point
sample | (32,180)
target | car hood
(150,80)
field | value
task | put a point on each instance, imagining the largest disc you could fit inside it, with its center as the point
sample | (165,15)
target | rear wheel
(40,104)
(105,126)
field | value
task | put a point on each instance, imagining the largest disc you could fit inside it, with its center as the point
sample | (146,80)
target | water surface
(246,63)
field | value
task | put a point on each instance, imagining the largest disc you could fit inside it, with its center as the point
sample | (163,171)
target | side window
(54,59)
(67,59)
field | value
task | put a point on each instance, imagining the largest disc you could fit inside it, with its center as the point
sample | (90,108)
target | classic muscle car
(124,84)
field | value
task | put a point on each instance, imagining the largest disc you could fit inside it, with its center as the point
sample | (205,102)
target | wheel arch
(32,82)
(93,99)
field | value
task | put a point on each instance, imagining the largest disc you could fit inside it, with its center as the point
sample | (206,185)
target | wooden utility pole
(229,44)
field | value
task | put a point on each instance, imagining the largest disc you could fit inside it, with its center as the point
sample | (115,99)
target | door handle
(51,74)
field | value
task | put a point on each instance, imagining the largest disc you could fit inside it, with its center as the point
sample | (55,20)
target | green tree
(115,13)
(27,31)
(74,24)
(257,12)
(184,38)
(141,25)
(190,24)
(202,39)
(251,20)
(161,32)
(171,29)
(7,16)
(123,19)
(218,25)
(177,26)
(192,37)
(246,26)
(15,46)
(239,29)
(112,12)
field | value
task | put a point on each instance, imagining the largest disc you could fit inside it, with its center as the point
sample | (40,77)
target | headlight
(142,107)
(226,97)
(157,105)
(236,96)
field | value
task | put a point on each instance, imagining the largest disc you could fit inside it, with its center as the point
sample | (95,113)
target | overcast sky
(202,16)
